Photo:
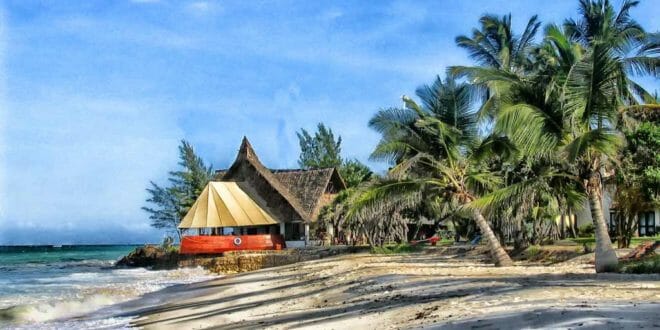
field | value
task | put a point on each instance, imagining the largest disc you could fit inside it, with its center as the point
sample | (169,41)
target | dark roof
(308,186)
(302,189)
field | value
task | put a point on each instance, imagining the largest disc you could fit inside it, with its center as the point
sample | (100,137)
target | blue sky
(95,95)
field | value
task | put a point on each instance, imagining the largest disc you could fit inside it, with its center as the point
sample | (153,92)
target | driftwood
(642,250)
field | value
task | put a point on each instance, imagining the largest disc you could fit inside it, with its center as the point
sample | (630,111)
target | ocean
(75,286)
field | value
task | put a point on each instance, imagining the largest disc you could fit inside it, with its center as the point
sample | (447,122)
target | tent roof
(225,204)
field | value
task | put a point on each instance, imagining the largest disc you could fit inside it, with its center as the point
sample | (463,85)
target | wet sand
(426,290)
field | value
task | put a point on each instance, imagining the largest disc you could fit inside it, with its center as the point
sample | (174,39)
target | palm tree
(435,150)
(401,138)
(496,46)
(595,88)
(568,104)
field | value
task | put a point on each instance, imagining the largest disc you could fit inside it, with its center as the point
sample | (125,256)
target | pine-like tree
(320,150)
(170,204)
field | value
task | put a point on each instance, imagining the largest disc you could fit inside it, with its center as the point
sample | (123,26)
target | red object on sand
(220,244)
(433,240)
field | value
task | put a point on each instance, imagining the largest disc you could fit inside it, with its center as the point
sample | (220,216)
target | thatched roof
(301,190)
(308,186)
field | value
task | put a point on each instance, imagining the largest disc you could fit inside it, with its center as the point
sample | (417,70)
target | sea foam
(66,293)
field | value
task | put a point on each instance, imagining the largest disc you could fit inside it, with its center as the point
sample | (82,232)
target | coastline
(417,290)
(47,287)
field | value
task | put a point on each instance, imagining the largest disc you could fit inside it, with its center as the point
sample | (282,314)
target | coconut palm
(435,150)
(568,106)
(450,183)
(596,87)
(496,46)
(401,138)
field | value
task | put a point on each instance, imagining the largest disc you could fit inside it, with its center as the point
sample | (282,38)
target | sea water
(51,287)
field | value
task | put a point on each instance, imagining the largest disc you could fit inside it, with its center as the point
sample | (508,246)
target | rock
(230,262)
(150,256)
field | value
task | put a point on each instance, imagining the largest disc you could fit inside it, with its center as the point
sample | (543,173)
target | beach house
(249,206)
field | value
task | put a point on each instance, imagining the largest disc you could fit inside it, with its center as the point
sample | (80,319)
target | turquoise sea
(74,286)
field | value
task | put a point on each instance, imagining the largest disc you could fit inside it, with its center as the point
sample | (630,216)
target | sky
(95,96)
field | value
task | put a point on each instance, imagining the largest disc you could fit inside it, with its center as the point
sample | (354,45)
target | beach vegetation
(323,150)
(437,158)
(396,249)
(167,205)
(637,178)
(533,131)
(320,150)
(354,172)
(646,265)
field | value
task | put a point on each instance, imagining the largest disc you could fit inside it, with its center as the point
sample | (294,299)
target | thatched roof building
(290,196)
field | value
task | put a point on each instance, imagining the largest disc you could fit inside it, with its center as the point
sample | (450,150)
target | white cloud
(203,8)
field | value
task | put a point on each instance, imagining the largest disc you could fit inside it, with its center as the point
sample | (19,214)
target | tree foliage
(320,150)
(168,205)
(641,161)
(354,172)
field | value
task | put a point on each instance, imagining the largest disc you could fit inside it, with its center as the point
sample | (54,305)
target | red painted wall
(219,244)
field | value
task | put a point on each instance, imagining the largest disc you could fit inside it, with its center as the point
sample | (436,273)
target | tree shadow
(582,317)
(368,293)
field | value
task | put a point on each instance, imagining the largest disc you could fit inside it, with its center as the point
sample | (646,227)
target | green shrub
(533,251)
(395,249)
(586,230)
(647,265)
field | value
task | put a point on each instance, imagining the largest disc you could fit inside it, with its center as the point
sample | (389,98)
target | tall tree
(637,178)
(435,150)
(320,150)
(495,44)
(596,88)
(570,105)
(170,204)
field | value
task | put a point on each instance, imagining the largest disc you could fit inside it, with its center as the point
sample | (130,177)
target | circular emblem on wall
(237,241)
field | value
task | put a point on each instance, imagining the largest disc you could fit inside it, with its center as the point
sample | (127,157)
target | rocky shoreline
(156,257)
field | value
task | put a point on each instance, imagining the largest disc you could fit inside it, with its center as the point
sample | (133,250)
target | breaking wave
(73,292)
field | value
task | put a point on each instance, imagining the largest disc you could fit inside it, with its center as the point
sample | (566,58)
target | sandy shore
(429,290)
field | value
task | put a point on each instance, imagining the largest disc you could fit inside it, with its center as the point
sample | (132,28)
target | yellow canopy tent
(225,204)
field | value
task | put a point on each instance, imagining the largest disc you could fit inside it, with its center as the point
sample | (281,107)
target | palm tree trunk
(606,259)
(497,252)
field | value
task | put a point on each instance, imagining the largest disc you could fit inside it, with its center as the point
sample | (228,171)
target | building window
(614,219)
(646,226)
(292,231)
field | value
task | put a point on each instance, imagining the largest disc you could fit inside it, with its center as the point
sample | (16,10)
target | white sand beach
(408,291)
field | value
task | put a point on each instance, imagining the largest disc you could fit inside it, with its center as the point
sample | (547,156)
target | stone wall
(245,261)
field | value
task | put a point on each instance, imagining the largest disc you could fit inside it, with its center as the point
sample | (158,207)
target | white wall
(584,215)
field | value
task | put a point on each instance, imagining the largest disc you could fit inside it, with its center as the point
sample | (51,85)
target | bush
(395,249)
(647,265)
(586,230)
(533,251)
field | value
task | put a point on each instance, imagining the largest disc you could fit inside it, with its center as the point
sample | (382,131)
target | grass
(547,254)
(445,242)
(396,249)
(633,242)
(533,251)
(647,265)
